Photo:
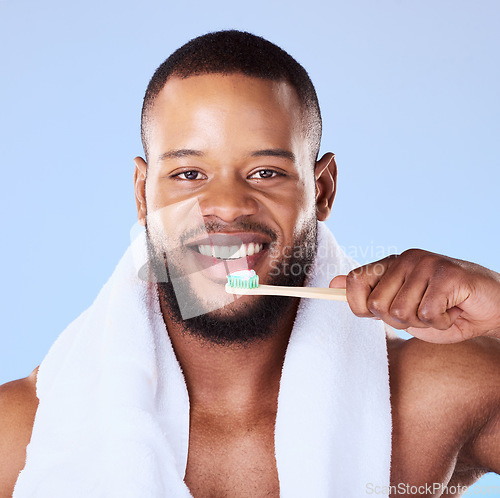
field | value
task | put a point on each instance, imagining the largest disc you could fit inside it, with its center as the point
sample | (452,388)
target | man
(231,124)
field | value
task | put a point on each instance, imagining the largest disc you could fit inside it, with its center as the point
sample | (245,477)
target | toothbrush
(246,282)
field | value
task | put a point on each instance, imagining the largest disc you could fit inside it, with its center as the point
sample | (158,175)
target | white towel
(113,418)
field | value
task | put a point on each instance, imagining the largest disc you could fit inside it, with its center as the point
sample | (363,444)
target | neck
(231,379)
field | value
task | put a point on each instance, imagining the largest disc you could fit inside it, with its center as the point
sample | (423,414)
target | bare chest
(232,462)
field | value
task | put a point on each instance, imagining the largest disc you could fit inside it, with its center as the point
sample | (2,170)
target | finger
(383,294)
(437,308)
(360,283)
(404,307)
(338,282)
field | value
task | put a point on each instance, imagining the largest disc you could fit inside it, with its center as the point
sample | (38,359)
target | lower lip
(218,269)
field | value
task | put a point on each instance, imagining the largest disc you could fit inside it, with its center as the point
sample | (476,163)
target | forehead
(235,111)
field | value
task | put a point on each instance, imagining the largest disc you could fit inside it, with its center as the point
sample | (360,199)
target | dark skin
(445,383)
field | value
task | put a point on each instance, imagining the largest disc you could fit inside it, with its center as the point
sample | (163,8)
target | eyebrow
(286,154)
(176,154)
(179,153)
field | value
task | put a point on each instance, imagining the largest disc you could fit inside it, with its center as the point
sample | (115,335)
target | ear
(140,188)
(325,173)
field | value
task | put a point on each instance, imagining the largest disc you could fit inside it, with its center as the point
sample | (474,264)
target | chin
(248,320)
(238,308)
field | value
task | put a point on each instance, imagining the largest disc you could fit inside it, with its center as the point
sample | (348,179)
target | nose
(228,200)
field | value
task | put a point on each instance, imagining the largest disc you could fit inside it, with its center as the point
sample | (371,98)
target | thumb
(339,282)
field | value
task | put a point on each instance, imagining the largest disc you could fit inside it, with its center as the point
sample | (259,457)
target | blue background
(409,93)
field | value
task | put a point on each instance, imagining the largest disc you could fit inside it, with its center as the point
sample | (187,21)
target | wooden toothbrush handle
(279,290)
(309,292)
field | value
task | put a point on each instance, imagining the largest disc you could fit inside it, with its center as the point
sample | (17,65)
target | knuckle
(376,305)
(400,313)
(448,267)
(425,260)
(441,270)
(436,265)
(426,314)
(413,253)
(355,274)
(391,258)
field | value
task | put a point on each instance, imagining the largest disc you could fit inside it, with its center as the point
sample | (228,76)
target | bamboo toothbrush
(246,282)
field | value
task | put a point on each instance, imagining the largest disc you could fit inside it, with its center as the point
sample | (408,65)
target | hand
(435,298)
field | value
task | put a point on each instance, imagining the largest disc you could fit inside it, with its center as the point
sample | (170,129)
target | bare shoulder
(443,397)
(461,378)
(471,367)
(18,405)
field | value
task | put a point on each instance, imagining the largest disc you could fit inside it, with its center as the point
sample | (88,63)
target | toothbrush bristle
(244,279)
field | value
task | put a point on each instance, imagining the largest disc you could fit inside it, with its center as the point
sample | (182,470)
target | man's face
(229,174)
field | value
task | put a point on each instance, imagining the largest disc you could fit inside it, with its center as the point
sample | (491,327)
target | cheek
(157,195)
(305,220)
(305,199)
(169,220)
(295,212)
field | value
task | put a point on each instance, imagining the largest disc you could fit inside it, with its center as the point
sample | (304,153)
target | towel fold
(113,416)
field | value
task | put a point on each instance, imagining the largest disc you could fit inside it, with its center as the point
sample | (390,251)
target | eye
(263,174)
(189,175)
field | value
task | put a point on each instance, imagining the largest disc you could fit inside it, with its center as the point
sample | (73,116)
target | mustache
(213,227)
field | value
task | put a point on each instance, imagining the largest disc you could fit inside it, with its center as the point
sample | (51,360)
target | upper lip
(230,239)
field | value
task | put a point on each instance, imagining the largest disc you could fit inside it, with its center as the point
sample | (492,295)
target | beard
(238,325)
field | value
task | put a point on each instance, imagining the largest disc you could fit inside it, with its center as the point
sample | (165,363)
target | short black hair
(229,52)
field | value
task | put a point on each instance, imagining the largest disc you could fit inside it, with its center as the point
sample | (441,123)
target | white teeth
(230,252)
(241,252)
(205,250)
